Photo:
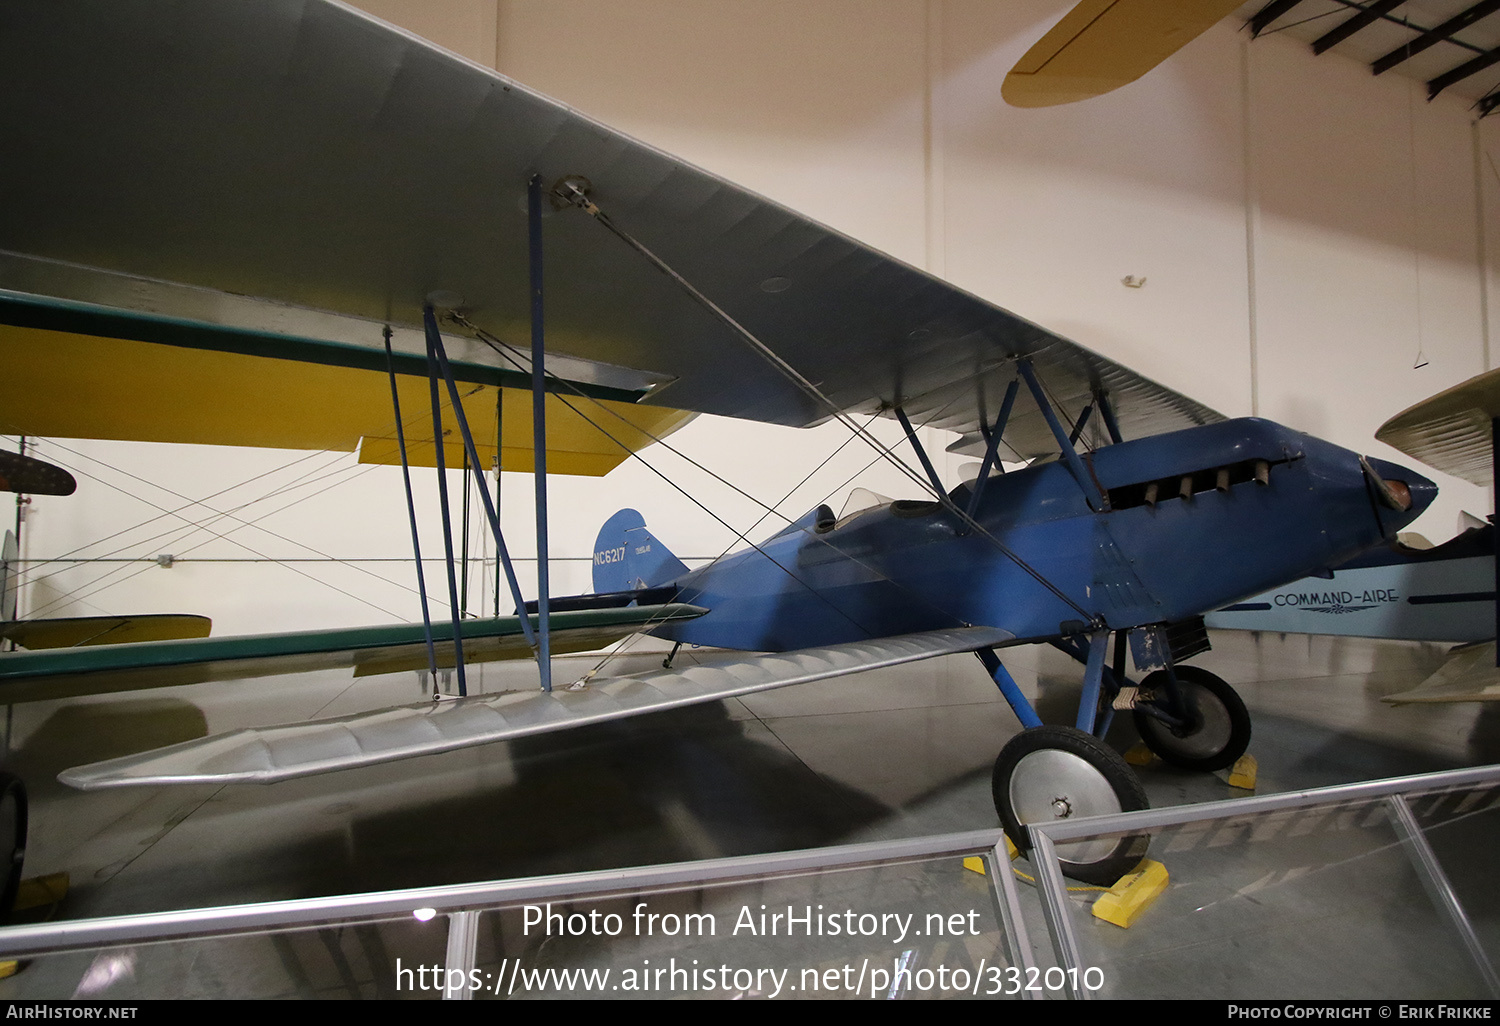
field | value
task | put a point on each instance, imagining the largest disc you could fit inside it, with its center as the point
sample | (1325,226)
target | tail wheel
(1051,773)
(12,833)
(1220,729)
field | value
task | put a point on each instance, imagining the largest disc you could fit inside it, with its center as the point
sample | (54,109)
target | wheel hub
(1052,784)
(1212,731)
(1061,774)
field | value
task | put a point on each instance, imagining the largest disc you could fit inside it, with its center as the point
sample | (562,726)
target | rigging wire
(511,355)
(186,532)
(883,452)
(308,479)
(172,532)
(173,536)
(160,516)
(312,477)
(504,351)
(774,508)
(80,595)
(569,191)
(180,534)
(507,352)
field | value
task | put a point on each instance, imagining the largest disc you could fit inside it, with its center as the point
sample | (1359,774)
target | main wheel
(1049,773)
(13,834)
(1220,729)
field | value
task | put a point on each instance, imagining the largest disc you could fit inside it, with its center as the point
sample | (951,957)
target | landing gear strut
(1187,716)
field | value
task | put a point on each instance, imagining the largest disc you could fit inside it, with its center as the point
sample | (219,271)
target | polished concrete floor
(904,752)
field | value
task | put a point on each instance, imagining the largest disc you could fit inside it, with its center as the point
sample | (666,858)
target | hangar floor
(899,753)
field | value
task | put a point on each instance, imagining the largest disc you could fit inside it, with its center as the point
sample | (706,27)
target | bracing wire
(570,191)
(505,352)
(306,480)
(509,354)
(81,595)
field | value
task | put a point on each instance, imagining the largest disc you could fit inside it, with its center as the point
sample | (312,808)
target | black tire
(1050,773)
(1220,733)
(13,833)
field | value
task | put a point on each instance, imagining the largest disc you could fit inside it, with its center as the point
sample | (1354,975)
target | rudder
(628,557)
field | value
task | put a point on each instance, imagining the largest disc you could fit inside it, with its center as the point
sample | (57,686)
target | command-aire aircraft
(1424,593)
(278,219)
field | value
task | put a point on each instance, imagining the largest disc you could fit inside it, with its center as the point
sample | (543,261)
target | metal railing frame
(463,903)
(1045,838)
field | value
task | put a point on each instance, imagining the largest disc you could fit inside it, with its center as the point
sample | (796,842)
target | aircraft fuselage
(1167,527)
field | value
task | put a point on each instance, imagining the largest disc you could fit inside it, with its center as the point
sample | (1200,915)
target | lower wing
(266,755)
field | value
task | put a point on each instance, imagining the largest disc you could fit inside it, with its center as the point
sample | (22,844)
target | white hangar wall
(1304,230)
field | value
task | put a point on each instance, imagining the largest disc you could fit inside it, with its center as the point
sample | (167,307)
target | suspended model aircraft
(229,186)
(1101,45)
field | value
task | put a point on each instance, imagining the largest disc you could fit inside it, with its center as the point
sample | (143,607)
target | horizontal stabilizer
(281,753)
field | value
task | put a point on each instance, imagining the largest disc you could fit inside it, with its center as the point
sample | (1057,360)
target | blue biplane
(275,192)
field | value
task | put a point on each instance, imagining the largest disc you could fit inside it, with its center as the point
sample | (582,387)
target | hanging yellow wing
(74,370)
(78,631)
(1101,45)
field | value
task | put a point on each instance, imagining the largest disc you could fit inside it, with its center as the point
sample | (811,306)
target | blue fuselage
(1161,528)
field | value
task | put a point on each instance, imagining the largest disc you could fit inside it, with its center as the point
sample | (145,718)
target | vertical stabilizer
(628,557)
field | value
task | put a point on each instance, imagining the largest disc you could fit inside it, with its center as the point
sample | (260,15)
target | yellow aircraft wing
(76,631)
(1101,45)
(79,370)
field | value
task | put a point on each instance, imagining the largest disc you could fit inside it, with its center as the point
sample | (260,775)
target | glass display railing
(891,919)
(1363,891)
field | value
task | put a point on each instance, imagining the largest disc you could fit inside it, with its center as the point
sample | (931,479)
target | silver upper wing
(305,154)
